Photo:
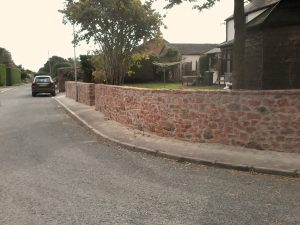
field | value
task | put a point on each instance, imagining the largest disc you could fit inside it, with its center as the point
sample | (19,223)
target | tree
(170,54)
(87,68)
(58,65)
(24,73)
(239,36)
(53,61)
(5,58)
(117,26)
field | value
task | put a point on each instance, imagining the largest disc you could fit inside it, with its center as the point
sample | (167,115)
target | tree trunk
(239,45)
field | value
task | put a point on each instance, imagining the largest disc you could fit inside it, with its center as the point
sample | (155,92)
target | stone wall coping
(80,83)
(227,92)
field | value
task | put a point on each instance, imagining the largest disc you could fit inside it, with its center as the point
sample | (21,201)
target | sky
(33,29)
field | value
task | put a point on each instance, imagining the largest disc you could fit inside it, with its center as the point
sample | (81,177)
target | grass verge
(174,86)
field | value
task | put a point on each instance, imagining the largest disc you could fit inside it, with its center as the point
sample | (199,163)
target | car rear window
(42,80)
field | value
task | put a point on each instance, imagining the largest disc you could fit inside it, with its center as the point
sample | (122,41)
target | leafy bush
(25,74)
(87,68)
(99,75)
(141,69)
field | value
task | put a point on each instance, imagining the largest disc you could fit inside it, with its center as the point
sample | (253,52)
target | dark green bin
(208,78)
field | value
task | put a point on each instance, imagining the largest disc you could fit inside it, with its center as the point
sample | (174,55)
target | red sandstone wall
(257,119)
(70,89)
(86,92)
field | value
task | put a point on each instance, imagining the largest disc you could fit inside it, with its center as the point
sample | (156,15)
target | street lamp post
(75,66)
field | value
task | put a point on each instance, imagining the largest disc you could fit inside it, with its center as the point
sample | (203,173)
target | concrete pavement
(231,157)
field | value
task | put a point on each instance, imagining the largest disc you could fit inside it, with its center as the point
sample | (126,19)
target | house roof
(193,49)
(213,51)
(256,5)
(286,12)
(259,19)
(225,44)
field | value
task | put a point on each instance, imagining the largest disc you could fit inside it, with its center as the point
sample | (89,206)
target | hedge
(16,76)
(2,75)
(13,76)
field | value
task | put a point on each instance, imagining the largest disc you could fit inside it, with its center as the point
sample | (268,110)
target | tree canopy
(5,58)
(54,60)
(200,6)
(116,26)
(170,54)
(25,73)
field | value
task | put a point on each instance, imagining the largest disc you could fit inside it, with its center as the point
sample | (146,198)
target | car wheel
(33,94)
(53,93)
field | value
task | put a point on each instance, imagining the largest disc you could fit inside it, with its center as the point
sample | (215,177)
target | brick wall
(86,92)
(257,119)
(70,89)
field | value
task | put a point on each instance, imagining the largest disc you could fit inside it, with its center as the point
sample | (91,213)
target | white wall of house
(230,24)
(230,30)
(191,58)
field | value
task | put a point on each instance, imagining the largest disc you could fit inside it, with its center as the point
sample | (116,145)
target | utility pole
(49,64)
(75,66)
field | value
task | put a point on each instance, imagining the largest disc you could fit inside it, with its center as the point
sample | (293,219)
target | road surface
(52,171)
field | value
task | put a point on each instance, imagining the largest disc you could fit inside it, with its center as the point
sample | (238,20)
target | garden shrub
(99,77)
(142,70)
(98,74)
(87,68)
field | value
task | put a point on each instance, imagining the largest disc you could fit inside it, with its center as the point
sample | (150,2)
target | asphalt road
(52,171)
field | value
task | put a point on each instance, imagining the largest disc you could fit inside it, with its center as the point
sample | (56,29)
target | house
(272,50)
(191,54)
